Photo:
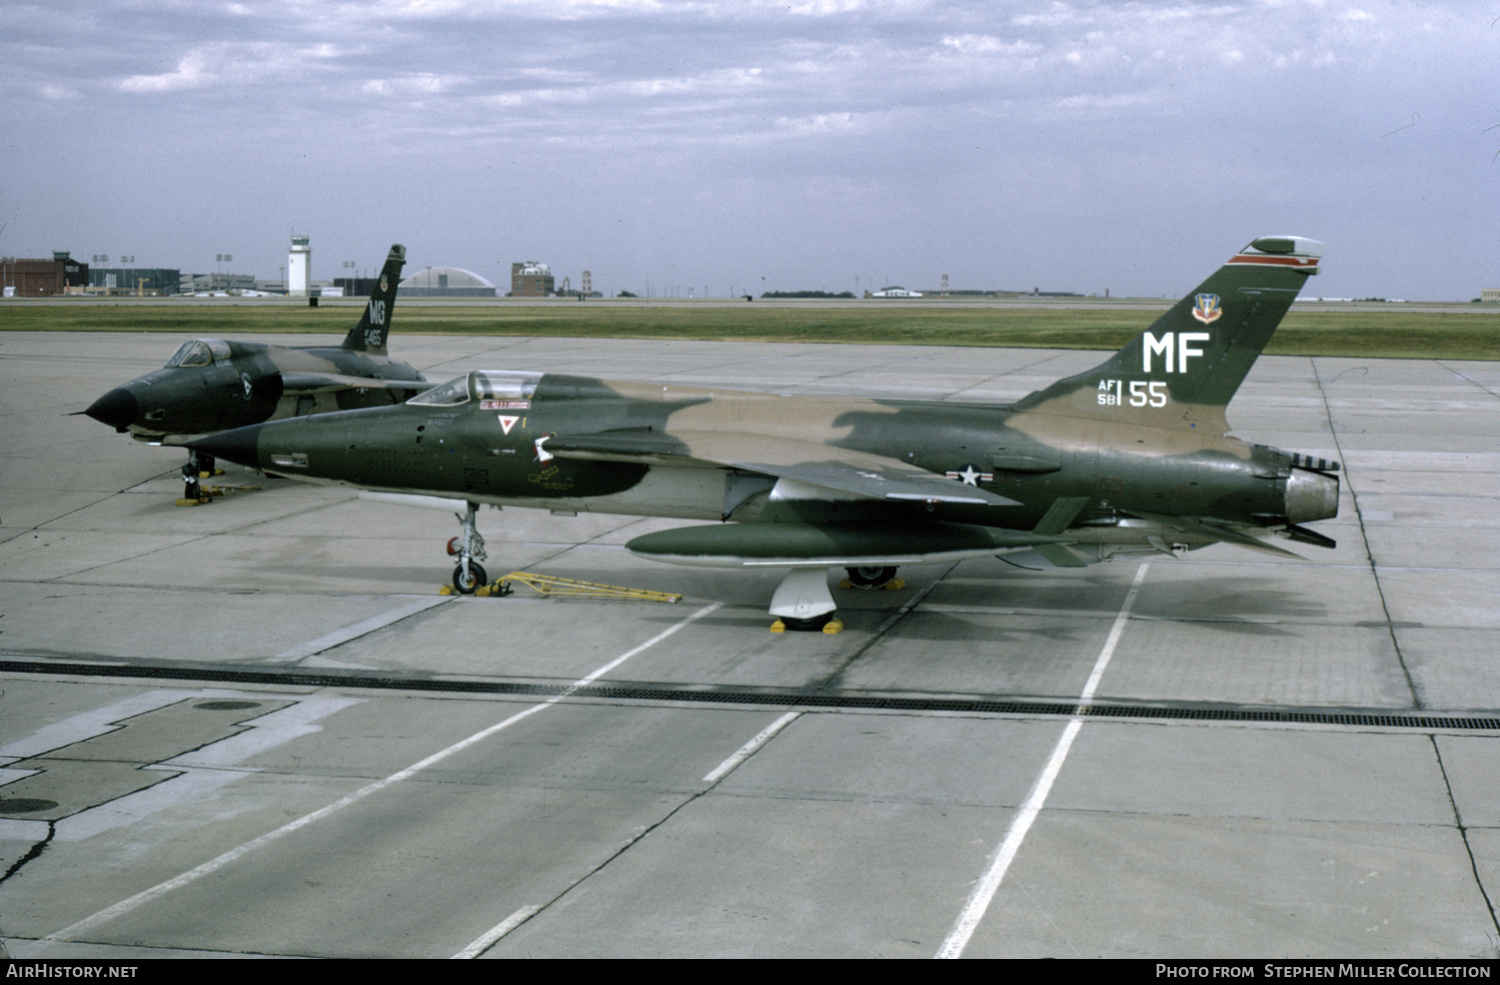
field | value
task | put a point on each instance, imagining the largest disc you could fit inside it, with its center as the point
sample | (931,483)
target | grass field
(1390,332)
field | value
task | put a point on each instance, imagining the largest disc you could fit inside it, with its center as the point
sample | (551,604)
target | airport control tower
(299,268)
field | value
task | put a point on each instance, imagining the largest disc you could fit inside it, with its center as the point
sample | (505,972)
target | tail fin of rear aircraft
(1185,368)
(370,334)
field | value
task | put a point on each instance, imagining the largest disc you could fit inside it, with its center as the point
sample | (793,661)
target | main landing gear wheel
(813,625)
(468,582)
(872,577)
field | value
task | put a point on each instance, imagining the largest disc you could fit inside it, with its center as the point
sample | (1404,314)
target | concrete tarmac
(254,728)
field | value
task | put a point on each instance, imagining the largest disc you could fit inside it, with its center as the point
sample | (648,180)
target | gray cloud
(1069,146)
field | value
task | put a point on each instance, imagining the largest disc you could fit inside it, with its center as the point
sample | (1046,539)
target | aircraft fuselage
(242,383)
(576,444)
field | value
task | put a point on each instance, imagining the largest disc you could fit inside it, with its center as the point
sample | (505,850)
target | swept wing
(841,470)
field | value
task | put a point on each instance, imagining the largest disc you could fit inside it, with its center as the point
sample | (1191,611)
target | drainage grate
(780,697)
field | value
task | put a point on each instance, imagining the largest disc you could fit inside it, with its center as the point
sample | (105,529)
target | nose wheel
(468,580)
(468,547)
(197,466)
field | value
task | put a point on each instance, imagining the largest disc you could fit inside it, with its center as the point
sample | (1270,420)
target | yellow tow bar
(555,585)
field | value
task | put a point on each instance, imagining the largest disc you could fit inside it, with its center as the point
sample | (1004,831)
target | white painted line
(498,931)
(198,774)
(8,775)
(212,865)
(1114,637)
(87,724)
(275,728)
(749,748)
(984,891)
(362,628)
(188,785)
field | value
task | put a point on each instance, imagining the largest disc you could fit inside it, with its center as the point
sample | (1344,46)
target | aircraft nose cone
(239,446)
(117,408)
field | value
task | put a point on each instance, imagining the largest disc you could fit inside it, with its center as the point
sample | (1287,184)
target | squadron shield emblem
(1206,308)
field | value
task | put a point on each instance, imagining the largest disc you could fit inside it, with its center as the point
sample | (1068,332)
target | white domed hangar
(446,282)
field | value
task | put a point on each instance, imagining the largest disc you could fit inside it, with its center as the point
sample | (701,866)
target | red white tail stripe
(1307,263)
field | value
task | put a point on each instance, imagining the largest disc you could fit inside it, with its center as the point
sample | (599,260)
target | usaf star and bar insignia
(969,475)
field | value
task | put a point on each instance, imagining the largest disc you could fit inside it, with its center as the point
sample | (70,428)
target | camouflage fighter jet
(1132,457)
(212,385)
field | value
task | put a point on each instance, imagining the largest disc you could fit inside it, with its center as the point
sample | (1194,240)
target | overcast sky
(831,144)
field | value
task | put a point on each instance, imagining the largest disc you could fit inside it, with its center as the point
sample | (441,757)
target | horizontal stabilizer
(1217,531)
(1306,536)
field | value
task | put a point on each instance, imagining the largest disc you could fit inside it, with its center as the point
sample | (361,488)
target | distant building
(446,282)
(530,279)
(357,287)
(895,291)
(42,278)
(158,281)
(214,283)
(1490,294)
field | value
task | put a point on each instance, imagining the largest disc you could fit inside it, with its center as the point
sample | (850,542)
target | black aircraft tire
(870,577)
(813,625)
(467,586)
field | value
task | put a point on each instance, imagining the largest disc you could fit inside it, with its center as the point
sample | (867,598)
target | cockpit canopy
(199,352)
(482,384)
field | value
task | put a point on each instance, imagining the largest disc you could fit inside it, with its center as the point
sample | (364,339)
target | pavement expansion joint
(796,697)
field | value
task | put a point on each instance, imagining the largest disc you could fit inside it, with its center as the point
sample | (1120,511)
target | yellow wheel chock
(556,585)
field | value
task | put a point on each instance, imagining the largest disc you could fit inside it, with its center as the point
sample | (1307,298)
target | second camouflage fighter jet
(214,385)
(1132,457)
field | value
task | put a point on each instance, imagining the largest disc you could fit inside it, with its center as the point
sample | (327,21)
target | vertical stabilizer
(370,334)
(1185,368)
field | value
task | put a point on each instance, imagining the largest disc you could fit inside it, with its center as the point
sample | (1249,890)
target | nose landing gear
(198,466)
(468,547)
